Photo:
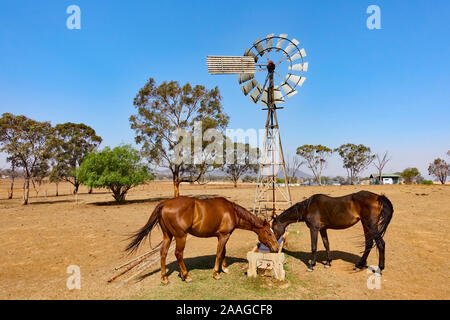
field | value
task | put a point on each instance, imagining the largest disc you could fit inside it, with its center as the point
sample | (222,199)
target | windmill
(270,59)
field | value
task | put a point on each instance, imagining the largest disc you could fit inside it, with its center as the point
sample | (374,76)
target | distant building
(385,179)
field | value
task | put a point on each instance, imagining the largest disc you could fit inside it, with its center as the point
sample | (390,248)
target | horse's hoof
(310,269)
(165,281)
(217,277)
(188,279)
(226,270)
(327,265)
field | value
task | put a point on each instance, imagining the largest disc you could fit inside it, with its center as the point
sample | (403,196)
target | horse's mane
(247,216)
(296,209)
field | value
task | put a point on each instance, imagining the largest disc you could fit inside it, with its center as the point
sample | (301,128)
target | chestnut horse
(215,217)
(321,212)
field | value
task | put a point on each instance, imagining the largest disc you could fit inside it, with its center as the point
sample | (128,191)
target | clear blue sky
(388,88)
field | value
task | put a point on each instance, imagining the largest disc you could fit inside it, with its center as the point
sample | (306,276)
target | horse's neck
(244,224)
(293,214)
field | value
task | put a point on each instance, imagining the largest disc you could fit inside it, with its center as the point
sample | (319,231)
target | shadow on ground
(147,200)
(305,257)
(194,263)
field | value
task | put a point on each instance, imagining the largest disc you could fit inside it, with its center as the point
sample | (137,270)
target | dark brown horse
(321,212)
(216,217)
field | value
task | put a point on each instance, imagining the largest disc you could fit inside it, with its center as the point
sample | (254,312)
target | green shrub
(118,169)
(427,182)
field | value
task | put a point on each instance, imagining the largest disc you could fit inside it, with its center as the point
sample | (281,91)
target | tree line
(357,158)
(69,152)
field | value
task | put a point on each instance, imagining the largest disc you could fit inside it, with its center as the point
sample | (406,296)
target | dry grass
(39,241)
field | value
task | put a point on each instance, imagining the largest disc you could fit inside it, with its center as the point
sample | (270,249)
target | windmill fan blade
(259,47)
(303,52)
(246,88)
(256,94)
(265,97)
(301,81)
(291,46)
(277,96)
(292,93)
(288,89)
(269,40)
(249,53)
(298,55)
(244,77)
(281,41)
(299,67)
(293,78)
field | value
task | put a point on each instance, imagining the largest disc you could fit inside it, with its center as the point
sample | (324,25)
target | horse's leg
(326,244)
(181,242)
(381,246)
(314,235)
(223,238)
(368,242)
(164,249)
(224,260)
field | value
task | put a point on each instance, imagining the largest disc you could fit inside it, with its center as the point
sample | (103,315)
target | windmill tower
(281,60)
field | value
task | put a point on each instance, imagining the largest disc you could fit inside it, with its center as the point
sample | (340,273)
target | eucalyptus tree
(243,159)
(356,158)
(316,158)
(27,141)
(71,143)
(440,169)
(166,110)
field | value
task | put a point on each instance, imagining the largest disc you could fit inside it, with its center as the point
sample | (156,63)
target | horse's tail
(145,230)
(386,213)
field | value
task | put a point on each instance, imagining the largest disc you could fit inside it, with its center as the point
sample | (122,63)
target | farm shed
(385,179)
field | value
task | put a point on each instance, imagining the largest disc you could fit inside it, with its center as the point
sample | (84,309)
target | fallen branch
(140,263)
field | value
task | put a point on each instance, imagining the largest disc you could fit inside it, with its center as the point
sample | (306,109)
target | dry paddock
(39,241)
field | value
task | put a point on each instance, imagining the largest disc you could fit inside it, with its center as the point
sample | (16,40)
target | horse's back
(200,217)
(333,212)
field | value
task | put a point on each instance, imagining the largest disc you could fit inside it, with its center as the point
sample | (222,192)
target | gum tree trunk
(26,190)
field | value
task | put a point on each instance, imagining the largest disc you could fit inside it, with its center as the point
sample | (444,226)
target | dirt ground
(39,241)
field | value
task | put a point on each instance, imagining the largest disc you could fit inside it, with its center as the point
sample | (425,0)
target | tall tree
(440,169)
(39,176)
(379,163)
(316,158)
(356,158)
(72,142)
(26,141)
(118,169)
(56,177)
(169,108)
(13,174)
(244,161)
(293,163)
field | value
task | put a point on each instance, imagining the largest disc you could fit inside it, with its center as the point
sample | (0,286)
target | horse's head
(278,228)
(267,237)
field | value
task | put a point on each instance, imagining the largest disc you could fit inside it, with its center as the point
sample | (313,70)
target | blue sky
(387,89)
